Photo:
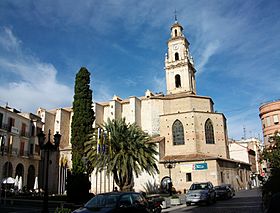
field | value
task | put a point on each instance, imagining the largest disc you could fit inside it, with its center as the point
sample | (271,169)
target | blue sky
(235,45)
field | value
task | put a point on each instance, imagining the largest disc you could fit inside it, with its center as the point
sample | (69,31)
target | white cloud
(32,83)
(209,51)
(102,93)
(247,119)
(159,84)
(8,41)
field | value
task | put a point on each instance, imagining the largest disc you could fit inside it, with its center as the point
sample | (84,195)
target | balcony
(4,126)
(34,156)
(10,152)
(25,134)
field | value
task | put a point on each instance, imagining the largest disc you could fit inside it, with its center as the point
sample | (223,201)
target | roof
(196,157)
(161,97)
(157,139)
(176,24)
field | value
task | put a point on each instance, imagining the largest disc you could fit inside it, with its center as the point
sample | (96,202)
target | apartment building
(248,151)
(20,152)
(270,115)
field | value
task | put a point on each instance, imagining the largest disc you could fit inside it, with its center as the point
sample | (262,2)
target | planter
(182,198)
(166,203)
(175,201)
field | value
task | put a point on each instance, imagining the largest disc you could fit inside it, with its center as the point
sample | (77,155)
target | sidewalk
(172,208)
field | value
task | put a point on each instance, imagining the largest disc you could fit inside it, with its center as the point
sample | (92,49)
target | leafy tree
(271,154)
(126,152)
(83,117)
(82,120)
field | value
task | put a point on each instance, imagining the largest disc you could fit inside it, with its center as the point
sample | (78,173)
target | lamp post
(170,164)
(47,147)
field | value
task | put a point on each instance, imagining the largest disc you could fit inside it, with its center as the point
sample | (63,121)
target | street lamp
(47,147)
(170,164)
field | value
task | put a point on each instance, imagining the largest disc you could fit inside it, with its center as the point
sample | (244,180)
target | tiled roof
(157,139)
(189,157)
(196,157)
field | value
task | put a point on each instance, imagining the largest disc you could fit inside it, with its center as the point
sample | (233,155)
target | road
(26,206)
(248,201)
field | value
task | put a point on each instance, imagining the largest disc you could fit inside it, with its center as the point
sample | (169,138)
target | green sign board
(200,166)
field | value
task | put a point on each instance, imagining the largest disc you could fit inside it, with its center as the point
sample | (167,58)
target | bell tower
(179,65)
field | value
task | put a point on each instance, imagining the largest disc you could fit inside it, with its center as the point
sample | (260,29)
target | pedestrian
(115,189)
(250,184)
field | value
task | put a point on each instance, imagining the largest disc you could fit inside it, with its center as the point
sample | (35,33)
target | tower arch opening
(178,81)
(176,56)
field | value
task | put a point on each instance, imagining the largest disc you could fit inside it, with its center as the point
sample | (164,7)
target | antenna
(244,132)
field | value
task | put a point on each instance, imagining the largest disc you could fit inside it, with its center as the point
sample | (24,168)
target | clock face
(175,46)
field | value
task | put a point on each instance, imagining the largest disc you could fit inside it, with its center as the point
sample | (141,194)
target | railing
(268,102)
(25,134)
(5,127)
(10,152)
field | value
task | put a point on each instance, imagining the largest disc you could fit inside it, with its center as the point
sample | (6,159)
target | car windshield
(199,186)
(103,201)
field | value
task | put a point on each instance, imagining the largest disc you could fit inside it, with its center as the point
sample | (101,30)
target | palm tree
(127,153)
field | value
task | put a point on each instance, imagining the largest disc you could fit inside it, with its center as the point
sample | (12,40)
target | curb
(173,208)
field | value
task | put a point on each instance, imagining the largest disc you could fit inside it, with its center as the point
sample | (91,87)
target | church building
(192,138)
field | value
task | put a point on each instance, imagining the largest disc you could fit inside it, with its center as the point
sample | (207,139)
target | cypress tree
(82,120)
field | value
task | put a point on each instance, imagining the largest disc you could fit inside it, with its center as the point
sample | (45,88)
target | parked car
(115,202)
(155,202)
(201,193)
(224,191)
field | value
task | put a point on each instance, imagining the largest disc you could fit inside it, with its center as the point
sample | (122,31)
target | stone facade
(58,120)
(270,115)
(20,152)
(248,150)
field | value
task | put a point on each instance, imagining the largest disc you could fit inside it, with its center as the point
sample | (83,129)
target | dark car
(201,193)
(224,191)
(115,202)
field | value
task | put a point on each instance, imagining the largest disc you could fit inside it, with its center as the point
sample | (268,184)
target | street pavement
(26,206)
(245,201)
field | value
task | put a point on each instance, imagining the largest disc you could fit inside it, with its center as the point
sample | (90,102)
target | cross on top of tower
(175,14)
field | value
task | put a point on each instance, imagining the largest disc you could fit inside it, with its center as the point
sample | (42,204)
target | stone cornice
(178,64)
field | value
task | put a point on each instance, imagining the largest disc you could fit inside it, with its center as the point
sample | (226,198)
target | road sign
(201,166)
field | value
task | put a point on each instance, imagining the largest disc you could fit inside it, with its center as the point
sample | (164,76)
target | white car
(201,193)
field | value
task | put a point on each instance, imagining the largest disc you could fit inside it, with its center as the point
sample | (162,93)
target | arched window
(209,132)
(178,133)
(30,177)
(176,56)
(177,81)
(20,170)
(7,170)
(175,33)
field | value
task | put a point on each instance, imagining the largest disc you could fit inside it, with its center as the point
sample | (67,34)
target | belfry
(179,65)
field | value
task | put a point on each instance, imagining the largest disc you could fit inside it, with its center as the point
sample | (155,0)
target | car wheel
(214,200)
(188,204)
